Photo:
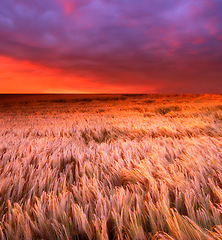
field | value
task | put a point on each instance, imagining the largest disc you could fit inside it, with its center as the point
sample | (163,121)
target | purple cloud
(175,46)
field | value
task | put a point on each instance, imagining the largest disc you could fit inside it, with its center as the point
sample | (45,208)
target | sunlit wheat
(122,167)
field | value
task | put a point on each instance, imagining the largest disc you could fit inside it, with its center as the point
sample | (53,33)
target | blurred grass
(111,167)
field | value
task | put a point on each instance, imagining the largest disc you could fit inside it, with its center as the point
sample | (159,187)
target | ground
(110,167)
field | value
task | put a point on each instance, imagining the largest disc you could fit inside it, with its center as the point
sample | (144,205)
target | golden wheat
(111,167)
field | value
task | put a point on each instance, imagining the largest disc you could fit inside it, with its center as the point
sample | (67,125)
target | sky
(115,46)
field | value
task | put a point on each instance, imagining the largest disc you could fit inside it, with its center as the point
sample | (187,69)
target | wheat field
(110,167)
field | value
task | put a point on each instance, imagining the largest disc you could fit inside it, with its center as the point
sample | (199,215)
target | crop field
(120,167)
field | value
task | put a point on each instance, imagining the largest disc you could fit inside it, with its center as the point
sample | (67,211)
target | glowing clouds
(115,46)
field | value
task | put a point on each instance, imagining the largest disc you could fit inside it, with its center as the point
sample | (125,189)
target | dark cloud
(172,45)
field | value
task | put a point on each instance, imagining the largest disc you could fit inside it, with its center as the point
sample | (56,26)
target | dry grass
(111,167)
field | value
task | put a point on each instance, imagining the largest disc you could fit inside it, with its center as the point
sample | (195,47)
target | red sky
(100,46)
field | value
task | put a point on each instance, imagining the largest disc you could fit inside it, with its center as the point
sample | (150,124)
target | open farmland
(110,167)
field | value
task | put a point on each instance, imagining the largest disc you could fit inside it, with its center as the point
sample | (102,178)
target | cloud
(123,44)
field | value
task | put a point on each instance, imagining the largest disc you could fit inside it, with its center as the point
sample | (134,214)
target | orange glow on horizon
(20,76)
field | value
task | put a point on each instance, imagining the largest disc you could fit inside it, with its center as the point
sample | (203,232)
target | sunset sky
(116,46)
